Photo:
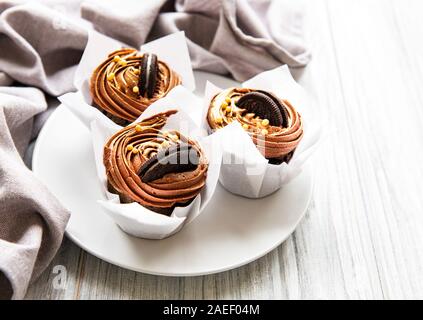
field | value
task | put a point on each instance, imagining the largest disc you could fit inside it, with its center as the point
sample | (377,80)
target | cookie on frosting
(273,124)
(128,81)
(158,169)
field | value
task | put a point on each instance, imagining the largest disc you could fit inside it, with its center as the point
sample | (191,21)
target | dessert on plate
(272,123)
(158,169)
(128,81)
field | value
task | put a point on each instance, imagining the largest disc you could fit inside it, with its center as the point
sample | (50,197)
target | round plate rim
(77,241)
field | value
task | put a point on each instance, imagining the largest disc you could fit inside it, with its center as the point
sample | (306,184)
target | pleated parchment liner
(244,170)
(99,47)
(133,218)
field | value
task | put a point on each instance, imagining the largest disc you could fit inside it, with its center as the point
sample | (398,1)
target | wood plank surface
(362,237)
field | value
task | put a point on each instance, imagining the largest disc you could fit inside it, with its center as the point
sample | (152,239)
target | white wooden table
(362,236)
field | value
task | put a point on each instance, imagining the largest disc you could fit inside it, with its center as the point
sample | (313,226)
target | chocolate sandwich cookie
(273,124)
(266,106)
(177,158)
(148,75)
(128,81)
(158,169)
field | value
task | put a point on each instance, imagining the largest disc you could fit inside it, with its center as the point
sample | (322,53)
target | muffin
(127,82)
(158,169)
(273,124)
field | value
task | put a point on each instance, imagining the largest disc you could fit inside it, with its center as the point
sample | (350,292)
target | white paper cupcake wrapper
(100,46)
(133,218)
(244,170)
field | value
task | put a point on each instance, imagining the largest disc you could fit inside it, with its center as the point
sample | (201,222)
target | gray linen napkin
(31,219)
(239,37)
(41,42)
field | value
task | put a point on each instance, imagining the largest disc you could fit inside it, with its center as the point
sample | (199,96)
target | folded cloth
(32,221)
(223,36)
(5,80)
(41,43)
(40,46)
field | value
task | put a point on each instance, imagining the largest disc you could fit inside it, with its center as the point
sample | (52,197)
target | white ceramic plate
(232,231)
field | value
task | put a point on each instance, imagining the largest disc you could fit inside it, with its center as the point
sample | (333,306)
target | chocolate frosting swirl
(275,143)
(113,81)
(129,148)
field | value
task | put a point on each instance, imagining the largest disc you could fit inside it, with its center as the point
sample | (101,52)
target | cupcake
(128,81)
(273,124)
(158,169)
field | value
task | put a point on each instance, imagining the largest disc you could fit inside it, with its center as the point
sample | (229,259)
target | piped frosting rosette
(158,173)
(266,140)
(120,83)
(156,168)
(127,82)
(273,124)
